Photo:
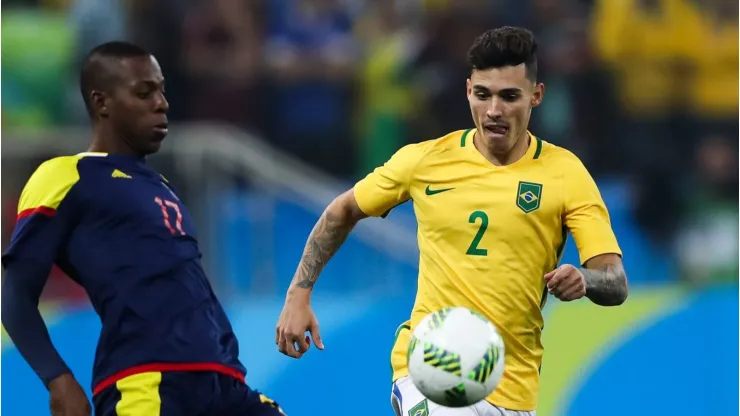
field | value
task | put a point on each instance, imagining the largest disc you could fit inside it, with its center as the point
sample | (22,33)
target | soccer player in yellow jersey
(494,205)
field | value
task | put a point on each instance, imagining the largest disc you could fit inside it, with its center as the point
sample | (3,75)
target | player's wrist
(61,381)
(299,295)
(54,373)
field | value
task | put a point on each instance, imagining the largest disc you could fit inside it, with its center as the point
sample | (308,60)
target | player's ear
(468,87)
(98,102)
(538,95)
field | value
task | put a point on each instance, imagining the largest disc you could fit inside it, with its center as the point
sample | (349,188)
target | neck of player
(485,147)
(108,140)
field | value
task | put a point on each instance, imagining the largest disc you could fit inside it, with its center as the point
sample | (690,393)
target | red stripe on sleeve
(49,212)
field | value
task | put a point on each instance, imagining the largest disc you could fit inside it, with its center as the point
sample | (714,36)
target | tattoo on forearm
(607,285)
(326,237)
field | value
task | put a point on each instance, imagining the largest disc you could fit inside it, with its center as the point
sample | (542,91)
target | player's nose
(495,110)
(162,105)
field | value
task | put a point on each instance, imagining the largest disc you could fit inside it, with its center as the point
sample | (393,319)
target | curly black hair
(505,46)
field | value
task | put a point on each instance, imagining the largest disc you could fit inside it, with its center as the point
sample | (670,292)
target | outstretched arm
(327,236)
(606,280)
(381,190)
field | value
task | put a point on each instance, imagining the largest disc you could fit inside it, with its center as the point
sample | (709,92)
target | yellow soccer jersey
(487,235)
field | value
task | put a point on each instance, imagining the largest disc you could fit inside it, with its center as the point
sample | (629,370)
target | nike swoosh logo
(437,191)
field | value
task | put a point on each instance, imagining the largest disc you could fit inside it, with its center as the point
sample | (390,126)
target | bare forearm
(606,285)
(327,236)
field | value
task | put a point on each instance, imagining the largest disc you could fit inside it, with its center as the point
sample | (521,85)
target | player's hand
(295,320)
(67,398)
(566,283)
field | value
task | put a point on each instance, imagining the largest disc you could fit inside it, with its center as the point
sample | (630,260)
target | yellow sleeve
(586,216)
(388,185)
(47,212)
(49,185)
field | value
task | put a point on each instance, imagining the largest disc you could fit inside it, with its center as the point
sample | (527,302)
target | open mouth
(498,129)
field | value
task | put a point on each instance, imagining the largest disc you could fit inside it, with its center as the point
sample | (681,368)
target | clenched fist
(566,283)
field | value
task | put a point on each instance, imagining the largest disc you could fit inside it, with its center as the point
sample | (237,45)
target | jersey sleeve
(46,213)
(586,216)
(388,185)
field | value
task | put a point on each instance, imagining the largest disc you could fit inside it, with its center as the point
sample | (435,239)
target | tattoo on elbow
(606,285)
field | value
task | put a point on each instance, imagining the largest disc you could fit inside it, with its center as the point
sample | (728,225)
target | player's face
(501,101)
(138,105)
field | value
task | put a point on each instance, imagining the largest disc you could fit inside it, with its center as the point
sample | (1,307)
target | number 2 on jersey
(163,203)
(474,250)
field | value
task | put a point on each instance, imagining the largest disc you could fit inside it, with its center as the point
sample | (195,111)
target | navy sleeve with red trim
(46,212)
(46,215)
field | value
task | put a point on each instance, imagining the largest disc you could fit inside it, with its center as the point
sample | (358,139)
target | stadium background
(280,104)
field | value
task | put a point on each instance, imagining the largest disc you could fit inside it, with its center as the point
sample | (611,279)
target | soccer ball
(455,357)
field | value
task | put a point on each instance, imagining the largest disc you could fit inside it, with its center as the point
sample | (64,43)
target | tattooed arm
(327,236)
(325,239)
(381,190)
(606,280)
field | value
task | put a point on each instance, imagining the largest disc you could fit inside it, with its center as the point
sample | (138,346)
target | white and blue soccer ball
(456,357)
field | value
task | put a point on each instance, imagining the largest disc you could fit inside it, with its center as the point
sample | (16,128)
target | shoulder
(51,183)
(59,172)
(568,168)
(452,141)
(559,158)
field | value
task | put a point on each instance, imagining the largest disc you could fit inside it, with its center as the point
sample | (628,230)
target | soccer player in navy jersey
(117,227)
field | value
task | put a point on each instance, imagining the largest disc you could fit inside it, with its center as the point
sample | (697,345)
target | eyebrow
(481,88)
(152,83)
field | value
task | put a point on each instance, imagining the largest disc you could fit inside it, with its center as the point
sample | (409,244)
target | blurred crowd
(642,90)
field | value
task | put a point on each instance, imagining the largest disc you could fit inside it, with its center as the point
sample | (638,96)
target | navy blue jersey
(117,228)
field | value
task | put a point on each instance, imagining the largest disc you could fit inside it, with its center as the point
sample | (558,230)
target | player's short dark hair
(505,46)
(96,73)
